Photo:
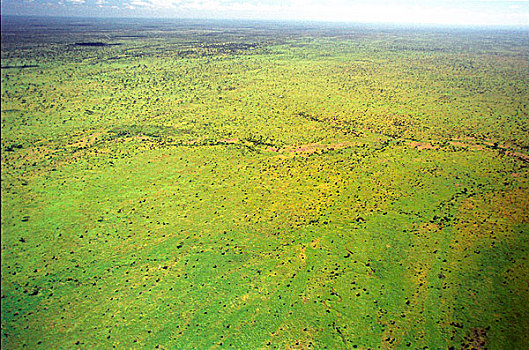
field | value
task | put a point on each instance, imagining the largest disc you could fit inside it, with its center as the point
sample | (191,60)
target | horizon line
(285,20)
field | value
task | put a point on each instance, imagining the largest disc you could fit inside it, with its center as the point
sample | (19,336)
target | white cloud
(78,2)
(140,3)
(398,11)
(156,4)
(204,5)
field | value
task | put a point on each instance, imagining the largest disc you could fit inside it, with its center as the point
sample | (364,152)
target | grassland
(251,185)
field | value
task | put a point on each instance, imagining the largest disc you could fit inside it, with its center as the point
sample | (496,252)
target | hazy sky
(488,12)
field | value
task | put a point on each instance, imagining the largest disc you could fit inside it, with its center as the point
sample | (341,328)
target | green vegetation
(259,185)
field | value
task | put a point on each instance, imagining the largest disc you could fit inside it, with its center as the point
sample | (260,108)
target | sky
(444,12)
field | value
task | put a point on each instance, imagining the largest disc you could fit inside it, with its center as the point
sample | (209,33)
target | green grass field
(246,185)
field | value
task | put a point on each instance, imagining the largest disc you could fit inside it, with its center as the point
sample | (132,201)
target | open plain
(230,184)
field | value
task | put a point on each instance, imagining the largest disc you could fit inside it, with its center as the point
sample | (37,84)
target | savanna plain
(188,184)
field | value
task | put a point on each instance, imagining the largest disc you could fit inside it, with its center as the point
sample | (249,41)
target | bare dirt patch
(311,148)
(471,146)
(423,145)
